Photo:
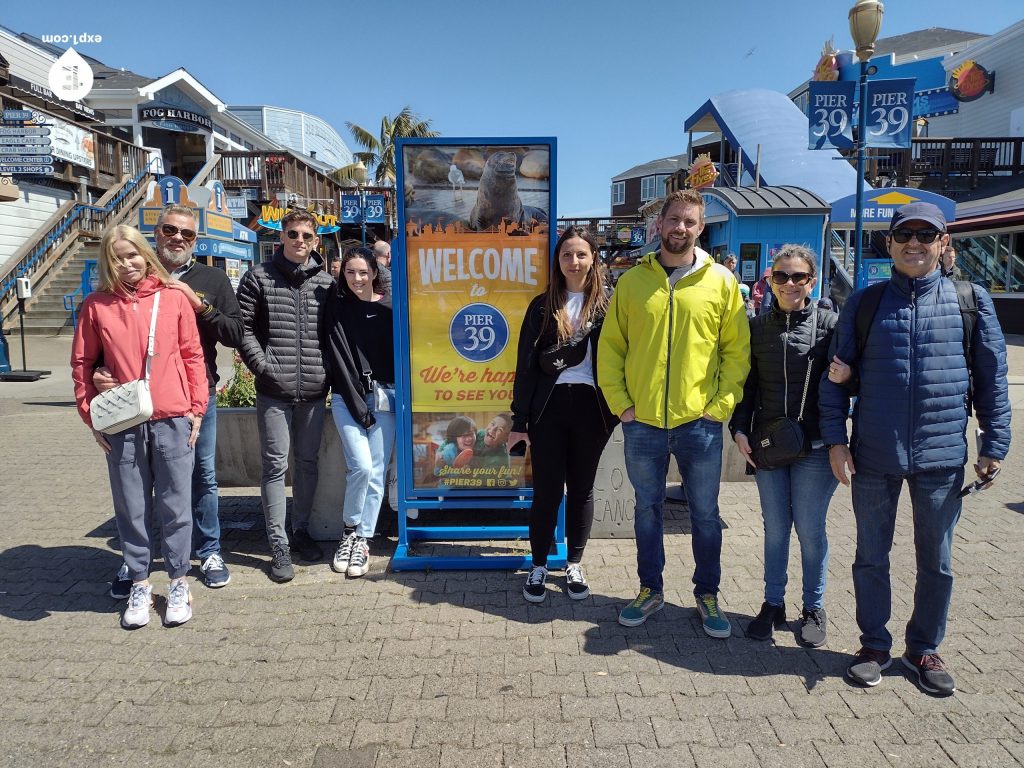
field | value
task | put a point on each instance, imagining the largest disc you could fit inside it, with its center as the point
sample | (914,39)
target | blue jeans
(697,446)
(367,455)
(205,505)
(936,509)
(796,496)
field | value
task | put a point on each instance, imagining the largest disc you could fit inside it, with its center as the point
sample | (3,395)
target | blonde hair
(174,209)
(109,281)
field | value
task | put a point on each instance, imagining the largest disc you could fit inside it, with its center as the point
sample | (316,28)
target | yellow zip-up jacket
(675,354)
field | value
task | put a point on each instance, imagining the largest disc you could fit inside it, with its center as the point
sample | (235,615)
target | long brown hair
(595,299)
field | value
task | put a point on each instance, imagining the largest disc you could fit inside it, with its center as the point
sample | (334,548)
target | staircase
(47,315)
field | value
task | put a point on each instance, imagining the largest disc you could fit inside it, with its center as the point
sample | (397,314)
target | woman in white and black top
(359,354)
(557,408)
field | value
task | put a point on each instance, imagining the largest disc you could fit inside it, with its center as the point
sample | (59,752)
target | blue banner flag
(890,112)
(374,209)
(350,209)
(830,115)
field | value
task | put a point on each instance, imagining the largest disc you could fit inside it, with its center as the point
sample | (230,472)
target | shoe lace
(137,597)
(178,594)
(282,557)
(812,616)
(537,576)
(932,662)
(710,603)
(643,597)
(213,563)
(345,548)
(360,551)
(574,574)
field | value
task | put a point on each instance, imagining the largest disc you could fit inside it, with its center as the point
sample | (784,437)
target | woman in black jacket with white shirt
(557,407)
(786,364)
(359,353)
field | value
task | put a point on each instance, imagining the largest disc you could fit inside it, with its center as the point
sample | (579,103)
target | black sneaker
(931,673)
(576,582)
(867,666)
(768,618)
(281,565)
(813,630)
(121,586)
(303,543)
(534,590)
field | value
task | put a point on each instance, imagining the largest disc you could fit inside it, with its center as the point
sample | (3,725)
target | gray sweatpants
(150,468)
(283,424)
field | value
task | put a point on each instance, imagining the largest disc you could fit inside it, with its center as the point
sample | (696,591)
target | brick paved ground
(454,669)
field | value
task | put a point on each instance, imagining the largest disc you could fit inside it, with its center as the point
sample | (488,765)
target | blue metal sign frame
(410,498)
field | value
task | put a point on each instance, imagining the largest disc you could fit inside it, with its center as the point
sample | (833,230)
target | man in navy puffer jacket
(909,423)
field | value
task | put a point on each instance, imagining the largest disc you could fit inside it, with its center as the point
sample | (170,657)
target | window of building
(219,130)
(618,192)
(652,187)
(237,139)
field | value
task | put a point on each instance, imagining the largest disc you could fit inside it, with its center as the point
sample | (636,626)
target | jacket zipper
(668,351)
(785,368)
(299,329)
(910,377)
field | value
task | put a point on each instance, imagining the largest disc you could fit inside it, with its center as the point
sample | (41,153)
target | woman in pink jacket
(150,465)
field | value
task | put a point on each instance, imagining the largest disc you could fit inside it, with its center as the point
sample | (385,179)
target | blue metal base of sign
(405,559)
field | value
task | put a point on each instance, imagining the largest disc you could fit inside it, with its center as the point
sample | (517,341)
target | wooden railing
(39,257)
(278,174)
(956,162)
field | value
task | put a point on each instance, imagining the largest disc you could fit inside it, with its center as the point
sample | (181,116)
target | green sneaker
(716,623)
(646,603)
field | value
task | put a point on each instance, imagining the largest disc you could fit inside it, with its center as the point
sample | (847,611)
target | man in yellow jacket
(673,356)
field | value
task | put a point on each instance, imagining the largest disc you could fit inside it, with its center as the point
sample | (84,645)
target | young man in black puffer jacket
(282,303)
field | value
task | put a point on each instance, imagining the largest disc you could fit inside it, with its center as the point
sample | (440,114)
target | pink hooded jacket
(114,329)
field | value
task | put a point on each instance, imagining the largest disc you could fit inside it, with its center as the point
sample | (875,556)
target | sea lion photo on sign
(498,196)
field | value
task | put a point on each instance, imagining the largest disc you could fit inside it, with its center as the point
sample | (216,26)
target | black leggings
(565,448)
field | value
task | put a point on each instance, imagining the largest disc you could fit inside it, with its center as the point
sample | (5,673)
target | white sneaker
(359,563)
(344,553)
(179,604)
(140,600)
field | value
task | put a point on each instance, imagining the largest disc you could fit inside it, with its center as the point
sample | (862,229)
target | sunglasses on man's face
(924,236)
(798,278)
(293,234)
(169,230)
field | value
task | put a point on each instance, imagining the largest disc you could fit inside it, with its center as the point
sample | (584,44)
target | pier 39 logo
(478,332)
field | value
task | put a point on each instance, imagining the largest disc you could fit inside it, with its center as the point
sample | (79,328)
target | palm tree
(380,150)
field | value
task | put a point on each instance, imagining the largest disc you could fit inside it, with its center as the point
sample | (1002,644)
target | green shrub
(240,392)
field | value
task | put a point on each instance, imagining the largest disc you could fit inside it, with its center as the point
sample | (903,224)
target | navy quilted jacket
(911,415)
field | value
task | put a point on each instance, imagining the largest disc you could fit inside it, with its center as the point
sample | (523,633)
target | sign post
(470,259)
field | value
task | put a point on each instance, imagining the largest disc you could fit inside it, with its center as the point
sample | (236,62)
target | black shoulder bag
(782,440)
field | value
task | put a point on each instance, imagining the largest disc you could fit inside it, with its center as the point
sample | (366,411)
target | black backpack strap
(870,298)
(968,301)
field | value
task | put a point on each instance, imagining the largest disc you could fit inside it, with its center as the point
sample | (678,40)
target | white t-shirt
(584,372)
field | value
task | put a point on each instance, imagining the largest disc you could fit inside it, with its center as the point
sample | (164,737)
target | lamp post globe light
(359,174)
(865,24)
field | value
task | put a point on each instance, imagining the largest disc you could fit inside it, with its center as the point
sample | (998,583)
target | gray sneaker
(359,562)
(281,569)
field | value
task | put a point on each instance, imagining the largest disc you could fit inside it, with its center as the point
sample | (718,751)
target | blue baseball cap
(926,212)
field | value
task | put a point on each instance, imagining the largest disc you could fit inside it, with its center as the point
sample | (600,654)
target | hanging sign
(830,115)
(889,110)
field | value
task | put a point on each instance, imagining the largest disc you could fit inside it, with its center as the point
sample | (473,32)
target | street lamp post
(865,24)
(360,176)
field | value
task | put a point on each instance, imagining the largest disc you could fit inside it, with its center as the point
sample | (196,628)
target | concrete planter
(239,465)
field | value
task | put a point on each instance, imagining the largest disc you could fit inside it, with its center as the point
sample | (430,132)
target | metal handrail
(73,309)
(82,210)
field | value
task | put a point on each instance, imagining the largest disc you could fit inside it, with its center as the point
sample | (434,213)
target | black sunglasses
(169,230)
(798,278)
(924,236)
(293,234)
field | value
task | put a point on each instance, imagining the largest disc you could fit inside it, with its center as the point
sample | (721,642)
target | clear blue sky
(613,81)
